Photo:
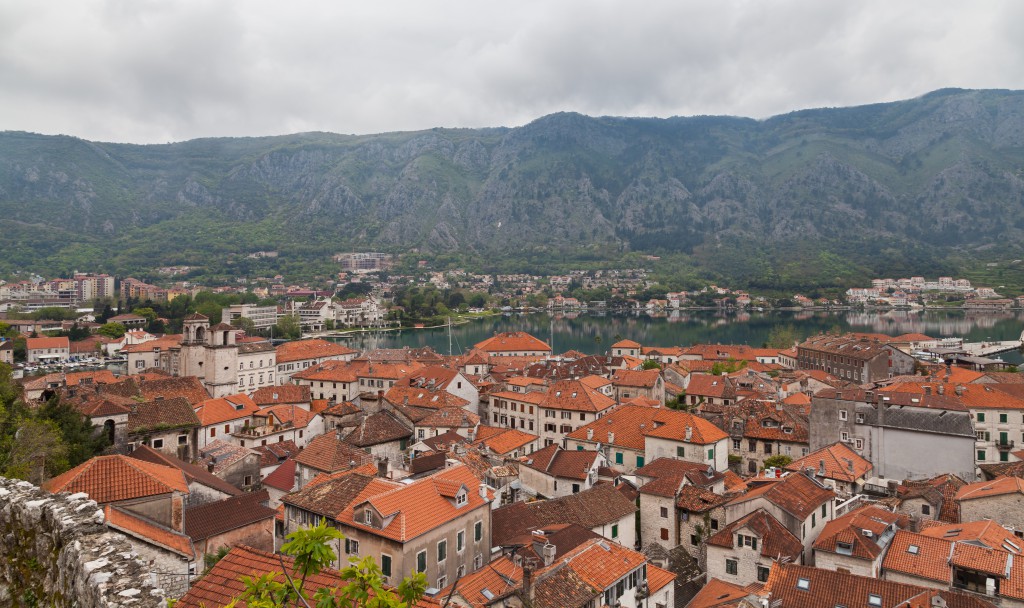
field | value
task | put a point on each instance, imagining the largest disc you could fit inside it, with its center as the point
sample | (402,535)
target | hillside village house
(858,360)
(439,525)
(47,350)
(631,435)
(298,355)
(551,413)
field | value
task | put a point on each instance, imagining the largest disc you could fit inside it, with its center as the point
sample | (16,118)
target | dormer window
(461,499)
(368,517)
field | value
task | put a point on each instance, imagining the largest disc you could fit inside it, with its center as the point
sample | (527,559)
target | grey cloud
(149,71)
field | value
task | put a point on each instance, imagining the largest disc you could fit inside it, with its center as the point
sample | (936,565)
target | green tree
(76,431)
(111,330)
(778,461)
(288,327)
(361,582)
(651,364)
(782,336)
(244,323)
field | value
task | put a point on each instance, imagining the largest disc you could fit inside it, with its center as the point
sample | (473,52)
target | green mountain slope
(816,196)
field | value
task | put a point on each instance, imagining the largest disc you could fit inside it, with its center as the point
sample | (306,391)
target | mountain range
(827,196)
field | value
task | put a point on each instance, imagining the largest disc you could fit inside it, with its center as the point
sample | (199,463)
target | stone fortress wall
(55,551)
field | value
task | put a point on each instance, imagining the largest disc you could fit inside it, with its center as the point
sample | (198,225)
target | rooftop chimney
(927,390)
(611,437)
(821,468)
(869,396)
(689,433)
(548,553)
(483,491)
(590,433)
(382,468)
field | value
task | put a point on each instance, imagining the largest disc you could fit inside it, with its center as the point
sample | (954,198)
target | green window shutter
(618,457)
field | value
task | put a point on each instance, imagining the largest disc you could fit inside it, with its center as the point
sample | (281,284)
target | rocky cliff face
(943,170)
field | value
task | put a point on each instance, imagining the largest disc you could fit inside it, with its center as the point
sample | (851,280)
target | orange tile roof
(115,478)
(224,409)
(632,424)
(299,350)
(626,344)
(553,460)
(929,560)
(512,341)
(657,578)
(973,396)
(500,578)
(996,487)
(849,529)
(389,371)
(841,463)
(718,594)
(149,531)
(298,416)
(795,493)
(419,507)
(37,343)
(286,393)
(163,343)
(504,441)
(982,559)
(224,581)
(601,563)
(777,542)
(797,399)
(639,378)
(329,454)
(189,387)
(413,509)
(332,371)
(436,398)
(985,532)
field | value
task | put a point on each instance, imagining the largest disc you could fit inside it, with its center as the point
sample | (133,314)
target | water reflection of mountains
(596,333)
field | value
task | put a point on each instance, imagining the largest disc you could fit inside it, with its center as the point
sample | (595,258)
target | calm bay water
(595,333)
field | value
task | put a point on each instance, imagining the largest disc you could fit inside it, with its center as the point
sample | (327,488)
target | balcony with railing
(249,431)
(1004,445)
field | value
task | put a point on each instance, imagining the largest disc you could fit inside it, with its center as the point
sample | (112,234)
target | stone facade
(1007,509)
(57,552)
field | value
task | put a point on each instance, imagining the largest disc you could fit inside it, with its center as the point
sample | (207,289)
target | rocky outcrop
(56,551)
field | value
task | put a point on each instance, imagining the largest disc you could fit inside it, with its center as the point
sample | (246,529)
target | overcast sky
(150,71)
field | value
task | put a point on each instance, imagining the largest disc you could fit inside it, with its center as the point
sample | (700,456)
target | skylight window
(803,583)
(913,549)
(874,600)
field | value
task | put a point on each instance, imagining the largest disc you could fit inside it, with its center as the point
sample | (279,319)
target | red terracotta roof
(796,494)
(287,393)
(512,341)
(213,518)
(638,378)
(996,487)
(777,542)
(283,477)
(115,478)
(840,463)
(37,343)
(502,441)
(631,424)
(225,409)
(920,556)
(718,594)
(149,531)
(224,581)
(329,454)
(298,350)
(568,464)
